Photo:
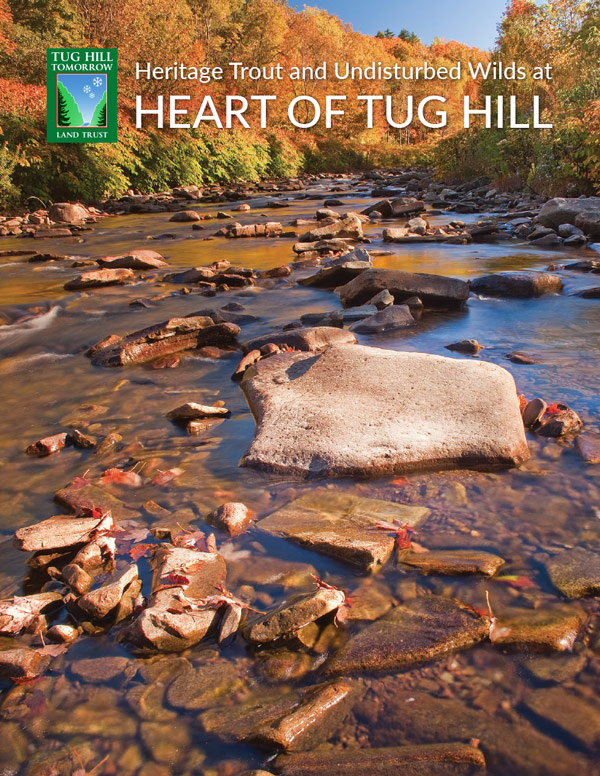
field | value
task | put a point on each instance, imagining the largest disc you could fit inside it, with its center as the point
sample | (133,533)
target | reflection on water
(47,385)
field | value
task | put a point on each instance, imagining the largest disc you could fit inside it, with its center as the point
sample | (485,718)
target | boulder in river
(142,259)
(420,630)
(194,411)
(307,339)
(100,602)
(409,411)
(343,525)
(22,664)
(575,572)
(454,759)
(269,229)
(183,216)
(517,285)
(67,212)
(163,339)
(299,720)
(232,517)
(48,445)
(433,290)
(391,318)
(60,532)
(539,630)
(294,614)
(339,271)
(178,615)
(348,226)
(100,277)
(568,210)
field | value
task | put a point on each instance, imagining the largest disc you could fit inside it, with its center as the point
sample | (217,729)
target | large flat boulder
(355,411)
(421,630)
(566,210)
(342,525)
(433,290)
(142,259)
(339,271)
(349,226)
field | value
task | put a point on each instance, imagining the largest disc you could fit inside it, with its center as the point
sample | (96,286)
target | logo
(81,91)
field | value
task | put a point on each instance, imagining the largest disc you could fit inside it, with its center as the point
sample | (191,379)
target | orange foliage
(16,97)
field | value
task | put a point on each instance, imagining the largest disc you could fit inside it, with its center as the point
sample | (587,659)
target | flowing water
(524,515)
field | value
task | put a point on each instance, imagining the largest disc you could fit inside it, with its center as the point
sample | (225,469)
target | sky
(87,91)
(468,21)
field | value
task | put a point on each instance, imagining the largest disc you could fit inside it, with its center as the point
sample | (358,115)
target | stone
(588,446)
(82,499)
(193,411)
(590,293)
(204,686)
(309,339)
(194,275)
(294,614)
(22,663)
(469,347)
(409,411)
(547,241)
(22,612)
(268,229)
(48,445)
(555,668)
(67,213)
(381,300)
(576,572)
(510,747)
(164,339)
(517,285)
(99,670)
(184,216)
(167,744)
(577,717)
(420,630)
(453,759)
(141,259)
(433,290)
(99,277)
(453,562)
(417,225)
(99,603)
(232,517)
(558,420)
(389,319)
(55,533)
(566,210)
(348,226)
(295,721)
(522,358)
(540,630)
(166,624)
(569,230)
(62,633)
(337,272)
(342,525)
(534,412)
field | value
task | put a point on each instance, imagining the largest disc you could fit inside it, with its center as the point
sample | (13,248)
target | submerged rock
(420,630)
(469,347)
(342,525)
(300,720)
(204,686)
(453,562)
(521,285)
(85,498)
(409,411)
(182,578)
(99,670)
(163,339)
(294,614)
(433,290)
(540,630)
(589,448)
(577,717)
(454,758)
(194,411)
(576,572)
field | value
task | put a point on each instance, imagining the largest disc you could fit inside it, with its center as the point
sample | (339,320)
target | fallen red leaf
(163,478)
(139,550)
(121,477)
(176,580)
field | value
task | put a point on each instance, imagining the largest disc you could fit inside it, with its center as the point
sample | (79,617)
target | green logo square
(81,92)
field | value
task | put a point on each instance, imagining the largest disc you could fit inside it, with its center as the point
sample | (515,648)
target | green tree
(99,117)
(69,114)
(408,36)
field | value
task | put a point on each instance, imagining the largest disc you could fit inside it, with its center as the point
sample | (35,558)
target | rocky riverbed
(301,479)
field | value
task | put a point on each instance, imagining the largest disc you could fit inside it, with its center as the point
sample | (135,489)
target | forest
(564,159)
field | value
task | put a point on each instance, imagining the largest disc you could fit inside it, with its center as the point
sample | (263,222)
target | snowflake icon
(87,89)
(92,95)
(97,82)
